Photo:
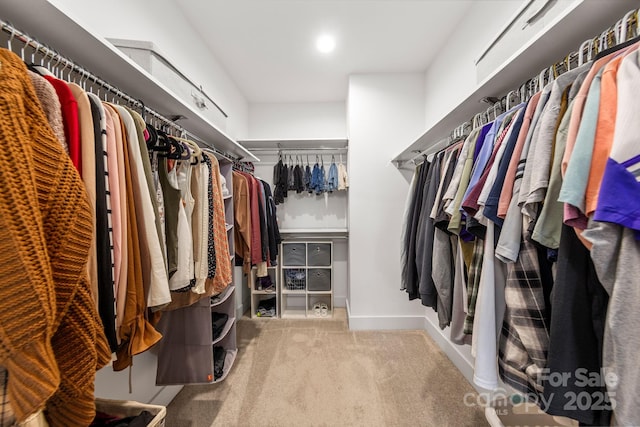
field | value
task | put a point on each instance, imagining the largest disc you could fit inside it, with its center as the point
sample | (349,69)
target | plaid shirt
(524,342)
(473,284)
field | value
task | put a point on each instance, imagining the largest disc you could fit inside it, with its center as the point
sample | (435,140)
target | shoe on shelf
(317,309)
(324,310)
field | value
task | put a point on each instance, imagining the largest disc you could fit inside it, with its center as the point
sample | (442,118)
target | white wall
(297,121)
(163,23)
(452,76)
(385,112)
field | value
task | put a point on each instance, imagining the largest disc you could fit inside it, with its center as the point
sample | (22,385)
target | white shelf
(227,197)
(294,314)
(272,292)
(292,144)
(314,231)
(225,330)
(224,296)
(319,292)
(293,292)
(550,46)
(99,56)
(229,360)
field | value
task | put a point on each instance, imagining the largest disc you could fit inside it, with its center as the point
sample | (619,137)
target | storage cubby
(264,294)
(307,279)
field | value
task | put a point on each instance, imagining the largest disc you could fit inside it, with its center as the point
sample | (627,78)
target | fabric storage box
(294,254)
(319,279)
(319,254)
(130,408)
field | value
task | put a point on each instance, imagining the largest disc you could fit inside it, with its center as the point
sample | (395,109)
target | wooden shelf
(225,331)
(99,56)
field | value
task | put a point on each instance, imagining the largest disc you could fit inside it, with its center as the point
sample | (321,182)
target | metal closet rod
(280,150)
(27,40)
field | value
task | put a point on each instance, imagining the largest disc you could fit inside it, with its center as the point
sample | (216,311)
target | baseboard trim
(379,323)
(340,302)
(453,351)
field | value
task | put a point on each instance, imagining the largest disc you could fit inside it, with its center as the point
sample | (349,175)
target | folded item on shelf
(218,320)
(267,308)
(264,283)
(218,361)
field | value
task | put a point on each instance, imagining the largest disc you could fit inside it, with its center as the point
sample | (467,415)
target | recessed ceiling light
(326,43)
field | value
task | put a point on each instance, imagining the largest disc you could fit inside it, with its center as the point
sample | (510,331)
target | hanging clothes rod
(86,76)
(294,149)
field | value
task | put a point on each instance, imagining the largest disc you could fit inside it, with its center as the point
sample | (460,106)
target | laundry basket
(130,408)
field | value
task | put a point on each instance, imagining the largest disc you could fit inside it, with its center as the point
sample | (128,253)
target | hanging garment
(115,219)
(69,108)
(425,232)
(172,200)
(223,274)
(279,181)
(104,231)
(307,178)
(272,225)
(343,179)
(52,326)
(136,333)
(576,335)
(242,220)
(140,127)
(404,234)
(211,241)
(87,147)
(410,280)
(155,279)
(332,178)
(50,105)
(185,268)
(122,277)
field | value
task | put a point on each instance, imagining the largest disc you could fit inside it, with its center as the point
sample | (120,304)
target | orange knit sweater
(51,338)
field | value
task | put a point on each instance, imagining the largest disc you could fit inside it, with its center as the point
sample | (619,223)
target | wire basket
(295,279)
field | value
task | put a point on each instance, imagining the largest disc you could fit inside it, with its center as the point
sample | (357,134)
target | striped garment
(524,342)
(473,284)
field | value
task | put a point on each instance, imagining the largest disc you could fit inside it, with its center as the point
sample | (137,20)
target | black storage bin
(319,279)
(294,254)
(319,254)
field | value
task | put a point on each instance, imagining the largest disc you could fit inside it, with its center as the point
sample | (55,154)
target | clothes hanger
(10,41)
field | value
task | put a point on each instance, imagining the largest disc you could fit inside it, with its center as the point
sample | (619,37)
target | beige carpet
(318,373)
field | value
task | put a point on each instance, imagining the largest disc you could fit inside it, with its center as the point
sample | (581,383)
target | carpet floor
(318,373)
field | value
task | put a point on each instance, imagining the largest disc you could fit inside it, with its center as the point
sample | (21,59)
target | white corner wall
(163,23)
(385,113)
(298,120)
(451,78)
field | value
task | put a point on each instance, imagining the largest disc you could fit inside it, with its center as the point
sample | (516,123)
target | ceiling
(268,46)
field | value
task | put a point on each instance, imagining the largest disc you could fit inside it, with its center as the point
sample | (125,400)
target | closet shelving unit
(258,294)
(99,56)
(543,48)
(226,301)
(306,274)
(311,144)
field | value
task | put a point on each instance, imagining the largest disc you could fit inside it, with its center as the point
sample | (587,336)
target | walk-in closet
(319,213)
